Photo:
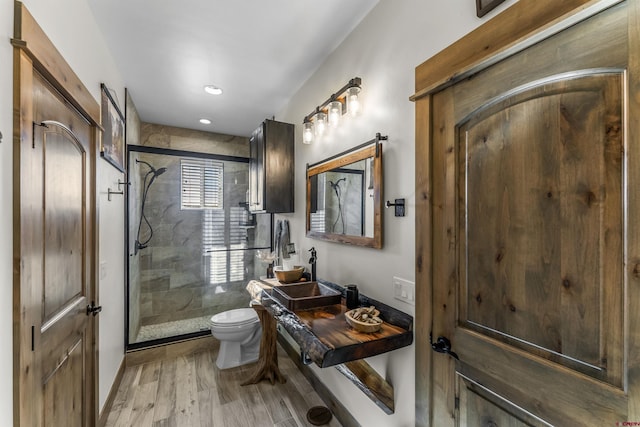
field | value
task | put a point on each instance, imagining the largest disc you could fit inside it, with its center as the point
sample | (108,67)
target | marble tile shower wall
(174,270)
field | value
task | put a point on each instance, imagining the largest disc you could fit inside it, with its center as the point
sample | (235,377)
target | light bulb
(353,102)
(335,112)
(213,90)
(307,133)
(320,120)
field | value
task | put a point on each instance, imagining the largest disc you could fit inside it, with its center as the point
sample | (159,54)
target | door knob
(443,345)
(93,309)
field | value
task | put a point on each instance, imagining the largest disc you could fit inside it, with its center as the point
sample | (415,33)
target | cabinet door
(278,169)
(256,171)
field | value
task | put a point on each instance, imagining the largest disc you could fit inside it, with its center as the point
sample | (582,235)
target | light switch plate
(404,290)
(103,270)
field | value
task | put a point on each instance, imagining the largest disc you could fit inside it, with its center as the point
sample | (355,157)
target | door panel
(540,252)
(64,185)
(600,41)
(528,235)
(61,407)
(479,407)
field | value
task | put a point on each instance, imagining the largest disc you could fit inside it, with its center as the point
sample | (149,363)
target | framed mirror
(344,197)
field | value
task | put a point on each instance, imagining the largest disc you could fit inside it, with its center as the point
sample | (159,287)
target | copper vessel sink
(305,295)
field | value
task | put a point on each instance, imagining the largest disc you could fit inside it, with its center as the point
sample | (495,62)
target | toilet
(239,333)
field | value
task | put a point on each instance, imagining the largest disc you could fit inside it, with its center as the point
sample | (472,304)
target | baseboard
(165,351)
(338,410)
(104,414)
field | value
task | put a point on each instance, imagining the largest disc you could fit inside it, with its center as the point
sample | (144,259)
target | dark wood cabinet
(271,168)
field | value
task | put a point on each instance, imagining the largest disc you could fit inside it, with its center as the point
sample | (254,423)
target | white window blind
(224,240)
(202,184)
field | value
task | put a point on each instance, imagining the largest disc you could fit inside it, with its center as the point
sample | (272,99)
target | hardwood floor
(190,391)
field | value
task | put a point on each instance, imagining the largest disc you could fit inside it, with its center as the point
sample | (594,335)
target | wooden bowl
(288,276)
(362,326)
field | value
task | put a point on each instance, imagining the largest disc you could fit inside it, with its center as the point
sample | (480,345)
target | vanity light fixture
(330,112)
(213,90)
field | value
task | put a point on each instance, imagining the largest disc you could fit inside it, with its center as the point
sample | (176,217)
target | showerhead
(336,184)
(156,172)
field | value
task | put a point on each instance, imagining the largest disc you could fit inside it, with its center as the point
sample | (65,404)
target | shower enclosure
(192,241)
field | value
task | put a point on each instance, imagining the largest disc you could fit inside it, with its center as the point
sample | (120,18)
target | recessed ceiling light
(205,121)
(213,90)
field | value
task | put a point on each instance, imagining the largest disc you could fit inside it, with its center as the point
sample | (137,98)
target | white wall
(71,27)
(384,51)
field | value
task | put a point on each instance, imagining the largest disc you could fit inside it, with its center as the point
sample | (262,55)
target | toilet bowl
(239,333)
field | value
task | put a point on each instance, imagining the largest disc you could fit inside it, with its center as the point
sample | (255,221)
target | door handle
(93,309)
(443,345)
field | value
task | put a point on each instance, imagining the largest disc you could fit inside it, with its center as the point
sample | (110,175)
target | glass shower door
(192,242)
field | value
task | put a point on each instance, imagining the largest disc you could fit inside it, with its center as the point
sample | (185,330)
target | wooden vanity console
(326,339)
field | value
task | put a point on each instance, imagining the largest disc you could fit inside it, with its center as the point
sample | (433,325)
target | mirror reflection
(344,198)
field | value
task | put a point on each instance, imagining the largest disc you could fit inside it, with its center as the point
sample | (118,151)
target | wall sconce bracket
(399,206)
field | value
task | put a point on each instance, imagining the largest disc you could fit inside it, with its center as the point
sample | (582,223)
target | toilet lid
(238,316)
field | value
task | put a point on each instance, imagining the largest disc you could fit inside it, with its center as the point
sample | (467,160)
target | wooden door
(532,203)
(61,156)
(54,341)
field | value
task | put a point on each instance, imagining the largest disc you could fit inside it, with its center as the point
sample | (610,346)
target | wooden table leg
(268,361)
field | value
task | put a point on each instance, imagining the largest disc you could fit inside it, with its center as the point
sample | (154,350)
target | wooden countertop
(323,333)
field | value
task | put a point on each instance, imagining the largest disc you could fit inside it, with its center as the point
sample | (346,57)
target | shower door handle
(93,309)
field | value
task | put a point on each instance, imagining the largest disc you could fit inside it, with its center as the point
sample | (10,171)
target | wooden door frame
(518,27)
(34,52)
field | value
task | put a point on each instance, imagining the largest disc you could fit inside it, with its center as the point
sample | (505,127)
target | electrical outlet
(404,290)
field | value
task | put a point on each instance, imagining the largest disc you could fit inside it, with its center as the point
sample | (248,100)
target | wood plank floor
(190,391)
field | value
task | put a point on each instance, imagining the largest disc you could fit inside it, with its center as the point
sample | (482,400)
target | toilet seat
(234,318)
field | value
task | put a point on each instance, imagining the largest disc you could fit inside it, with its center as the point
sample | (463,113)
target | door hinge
(33,338)
(456,403)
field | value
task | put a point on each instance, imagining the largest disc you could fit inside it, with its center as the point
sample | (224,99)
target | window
(202,184)
(224,240)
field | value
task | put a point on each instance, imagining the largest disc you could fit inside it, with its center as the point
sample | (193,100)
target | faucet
(312,261)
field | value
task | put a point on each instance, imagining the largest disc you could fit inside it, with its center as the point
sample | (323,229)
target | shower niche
(192,241)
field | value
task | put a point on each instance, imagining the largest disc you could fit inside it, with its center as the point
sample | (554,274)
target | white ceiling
(259,52)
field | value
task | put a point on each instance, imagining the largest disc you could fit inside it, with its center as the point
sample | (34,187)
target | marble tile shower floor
(173,328)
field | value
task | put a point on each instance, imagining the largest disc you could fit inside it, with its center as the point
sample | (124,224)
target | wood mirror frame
(369,150)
